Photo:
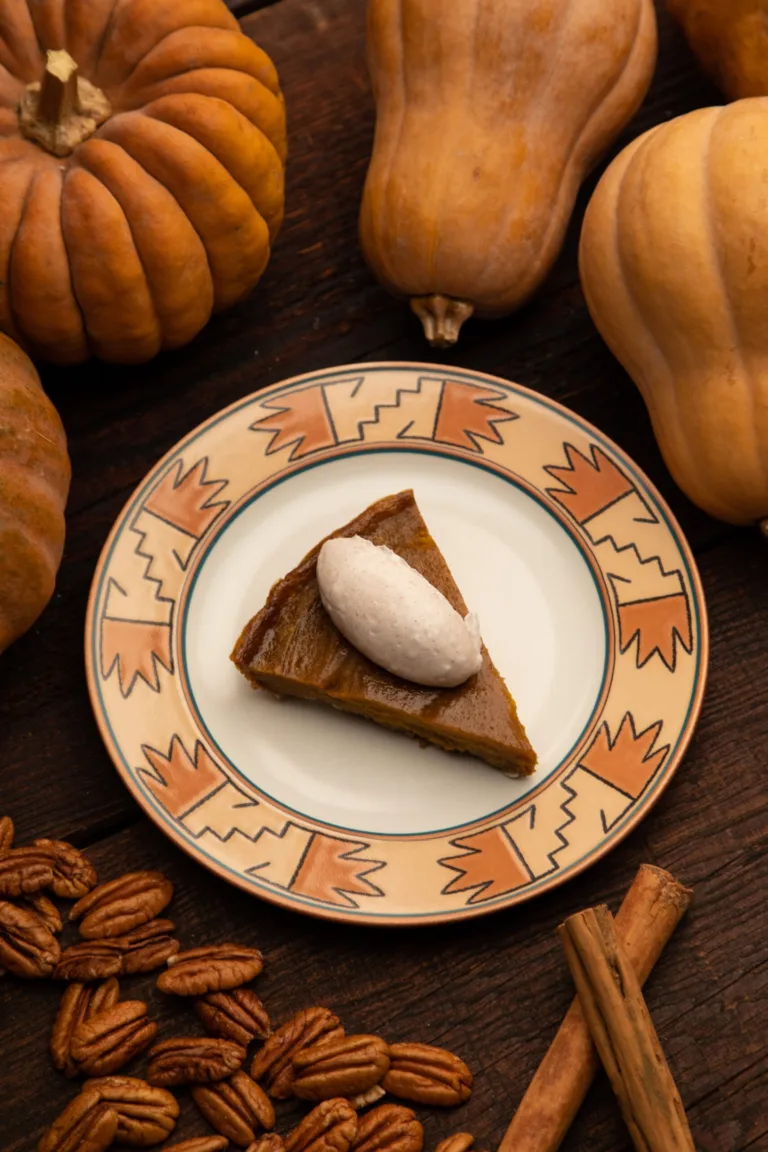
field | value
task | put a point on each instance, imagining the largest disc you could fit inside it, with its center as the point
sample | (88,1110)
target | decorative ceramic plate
(589,603)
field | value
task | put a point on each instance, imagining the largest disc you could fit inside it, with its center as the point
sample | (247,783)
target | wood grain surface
(492,990)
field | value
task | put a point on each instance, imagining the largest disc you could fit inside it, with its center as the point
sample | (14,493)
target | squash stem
(442,318)
(63,109)
(58,92)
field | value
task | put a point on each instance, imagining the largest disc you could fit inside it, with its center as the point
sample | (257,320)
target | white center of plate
(540,614)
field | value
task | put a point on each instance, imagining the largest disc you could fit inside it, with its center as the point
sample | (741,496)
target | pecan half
(427,1075)
(80,1002)
(343,1067)
(269,1142)
(272,1064)
(147,947)
(193,1060)
(237,1108)
(331,1127)
(39,903)
(145,1115)
(459,1142)
(73,873)
(90,960)
(24,870)
(85,1125)
(112,909)
(27,947)
(213,968)
(200,1144)
(238,1015)
(7,832)
(389,1128)
(72,1009)
(104,1043)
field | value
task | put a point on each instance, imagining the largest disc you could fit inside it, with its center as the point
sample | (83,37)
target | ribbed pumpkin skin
(168,211)
(674,267)
(34,484)
(489,115)
(731,41)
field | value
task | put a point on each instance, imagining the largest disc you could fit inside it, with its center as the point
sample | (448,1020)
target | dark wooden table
(493,990)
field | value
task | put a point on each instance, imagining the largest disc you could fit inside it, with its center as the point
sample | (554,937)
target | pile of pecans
(95,1033)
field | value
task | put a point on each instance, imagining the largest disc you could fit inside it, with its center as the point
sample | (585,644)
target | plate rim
(307,905)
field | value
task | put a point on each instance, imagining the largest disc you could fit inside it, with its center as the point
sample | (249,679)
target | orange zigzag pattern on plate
(490,864)
(332,871)
(185,499)
(657,625)
(301,420)
(629,761)
(591,485)
(177,780)
(467,413)
(136,647)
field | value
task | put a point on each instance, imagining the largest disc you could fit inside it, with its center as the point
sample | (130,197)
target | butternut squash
(730,40)
(489,113)
(674,267)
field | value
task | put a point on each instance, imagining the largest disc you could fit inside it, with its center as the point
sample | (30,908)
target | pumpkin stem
(64,109)
(764,526)
(58,91)
(442,318)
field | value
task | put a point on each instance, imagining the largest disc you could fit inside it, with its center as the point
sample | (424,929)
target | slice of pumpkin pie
(293,648)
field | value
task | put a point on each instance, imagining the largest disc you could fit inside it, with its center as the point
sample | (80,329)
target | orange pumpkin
(142,147)
(730,39)
(34,484)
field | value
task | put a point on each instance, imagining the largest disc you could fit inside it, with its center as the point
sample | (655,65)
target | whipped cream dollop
(394,616)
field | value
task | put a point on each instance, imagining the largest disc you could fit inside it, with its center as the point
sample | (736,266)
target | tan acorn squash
(730,38)
(34,484)
(489,113)
(141,172)
(674,266)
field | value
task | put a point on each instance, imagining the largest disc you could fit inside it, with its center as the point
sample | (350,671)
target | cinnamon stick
(623,1033)
(649,914)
